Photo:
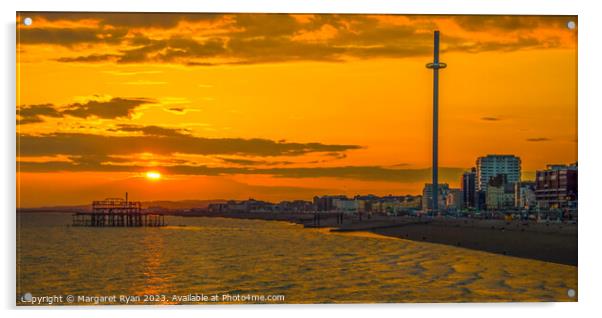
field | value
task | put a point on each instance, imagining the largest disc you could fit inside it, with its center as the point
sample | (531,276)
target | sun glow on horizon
(153,175)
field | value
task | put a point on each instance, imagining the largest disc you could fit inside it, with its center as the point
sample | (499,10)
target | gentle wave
(214,255)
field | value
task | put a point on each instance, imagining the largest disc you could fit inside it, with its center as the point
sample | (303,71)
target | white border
(302,6)
(590,157)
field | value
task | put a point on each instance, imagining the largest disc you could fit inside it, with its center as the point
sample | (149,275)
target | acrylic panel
(205,158)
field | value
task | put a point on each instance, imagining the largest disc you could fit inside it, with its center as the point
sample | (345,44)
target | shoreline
(548,242)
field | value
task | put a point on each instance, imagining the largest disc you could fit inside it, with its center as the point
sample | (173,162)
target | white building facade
(427,196)
(346,206)
(492,165)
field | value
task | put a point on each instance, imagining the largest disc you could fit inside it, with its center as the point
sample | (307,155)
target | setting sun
(153,175)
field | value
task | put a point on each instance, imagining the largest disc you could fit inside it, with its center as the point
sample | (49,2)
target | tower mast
(436,65)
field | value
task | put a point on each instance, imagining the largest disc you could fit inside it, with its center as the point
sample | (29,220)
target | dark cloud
(126,19)
(262,38)
(172,50)
(176,109)
(151,130)
(97,162)
(249,162)
(538,139)
(364,173)
(336,155)
(510,22)
(266,25)
(91,58)
(115,108)
(280,49)
(30,120)
(155,20)
(368,173)
(490,118)
(516,44)
(88,144)
(30,114)
(70,36)
(282,24)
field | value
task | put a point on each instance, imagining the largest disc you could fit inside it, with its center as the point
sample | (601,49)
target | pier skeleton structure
(118,212)
(435,66)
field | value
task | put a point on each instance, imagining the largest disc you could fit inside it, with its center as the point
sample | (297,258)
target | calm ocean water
(216,256)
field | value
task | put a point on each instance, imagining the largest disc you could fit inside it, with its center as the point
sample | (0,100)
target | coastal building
(250,205)
(365,203)
(454,200)
(500,193)
(556,186)
(427,196)
(469,189)
(389,204)
(253,205)
(294,206)
(346,205)
(524,195)
(493,165)
(481,200)
(236,206)
(411,203)
(326,202)
(218,207)
(396,205)
(368,197)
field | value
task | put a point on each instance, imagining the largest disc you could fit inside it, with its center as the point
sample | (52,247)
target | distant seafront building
(524,195)
(500,193)
(454,200)
(492,165)
(390,204)
(326,202)
(427,196)
(294,206)
(250,205)
(395,205)
(556,187)
(346,205)
(469,188)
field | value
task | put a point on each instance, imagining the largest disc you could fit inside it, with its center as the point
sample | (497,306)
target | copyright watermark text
(48,300)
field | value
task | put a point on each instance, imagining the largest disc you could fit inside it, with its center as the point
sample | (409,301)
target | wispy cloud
(143,82)
(490,118)
(131,73)
(251,162)
(538,139)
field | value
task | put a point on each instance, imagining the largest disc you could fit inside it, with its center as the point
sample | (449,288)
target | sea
(204,261)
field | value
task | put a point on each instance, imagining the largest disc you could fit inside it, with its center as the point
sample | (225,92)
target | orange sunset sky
(278,106)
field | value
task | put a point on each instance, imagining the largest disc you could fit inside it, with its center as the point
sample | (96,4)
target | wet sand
(553,243)
(549,242)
